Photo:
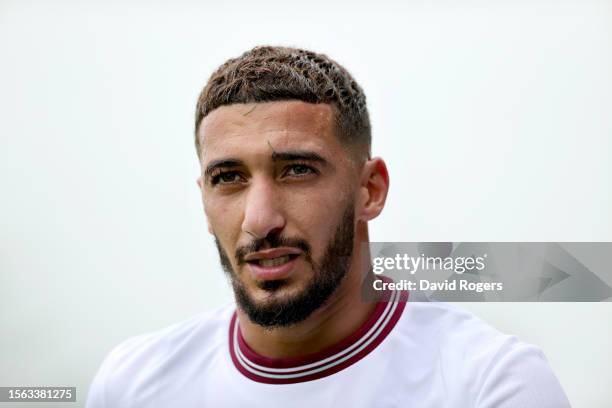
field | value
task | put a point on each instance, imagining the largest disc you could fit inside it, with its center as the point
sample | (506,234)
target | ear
(200,183)
(374,188)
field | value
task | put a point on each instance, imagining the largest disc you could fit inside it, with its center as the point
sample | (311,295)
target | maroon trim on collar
(325,362)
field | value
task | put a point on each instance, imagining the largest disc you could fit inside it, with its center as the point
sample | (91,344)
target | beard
(328,274)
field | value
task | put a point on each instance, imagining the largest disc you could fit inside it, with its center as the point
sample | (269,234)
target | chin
(275,292)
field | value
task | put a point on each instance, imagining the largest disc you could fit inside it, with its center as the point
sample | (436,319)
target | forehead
(240,129)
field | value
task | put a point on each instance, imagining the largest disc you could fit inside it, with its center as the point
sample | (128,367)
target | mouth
(278,261)
(272,266)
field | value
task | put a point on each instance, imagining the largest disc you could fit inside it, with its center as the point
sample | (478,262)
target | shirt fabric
(407,354)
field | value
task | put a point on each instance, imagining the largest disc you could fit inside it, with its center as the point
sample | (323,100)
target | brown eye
(300,170)
(226,177)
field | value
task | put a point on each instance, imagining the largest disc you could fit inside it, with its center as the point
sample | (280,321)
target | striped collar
(323,363)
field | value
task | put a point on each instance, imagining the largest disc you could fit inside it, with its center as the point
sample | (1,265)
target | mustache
(273,241)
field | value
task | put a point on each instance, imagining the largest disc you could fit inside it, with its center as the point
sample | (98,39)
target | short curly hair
(273,73)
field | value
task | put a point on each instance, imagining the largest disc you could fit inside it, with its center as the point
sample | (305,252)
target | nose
(262,212)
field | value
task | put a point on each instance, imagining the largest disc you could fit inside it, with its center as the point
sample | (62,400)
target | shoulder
(446,324)
(208,328)
(452,338)
(500,370)
(147,357)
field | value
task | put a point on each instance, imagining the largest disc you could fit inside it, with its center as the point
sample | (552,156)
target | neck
(340,316)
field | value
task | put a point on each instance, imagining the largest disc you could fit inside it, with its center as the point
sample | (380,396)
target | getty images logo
(412,264)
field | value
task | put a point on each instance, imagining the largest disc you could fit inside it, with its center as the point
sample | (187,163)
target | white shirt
(408,354)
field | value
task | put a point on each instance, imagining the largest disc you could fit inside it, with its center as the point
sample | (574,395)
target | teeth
(274,261)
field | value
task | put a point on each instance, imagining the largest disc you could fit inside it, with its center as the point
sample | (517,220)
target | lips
(272,264)
(272,253)
(274,261)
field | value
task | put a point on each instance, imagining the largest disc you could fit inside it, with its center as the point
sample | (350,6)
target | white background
(494,118)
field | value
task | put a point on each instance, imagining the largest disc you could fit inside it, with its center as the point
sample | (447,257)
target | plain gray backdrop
(493,117)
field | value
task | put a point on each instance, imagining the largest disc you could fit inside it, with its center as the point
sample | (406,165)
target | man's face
(279,194)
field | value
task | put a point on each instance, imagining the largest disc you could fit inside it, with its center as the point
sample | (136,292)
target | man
(288,186)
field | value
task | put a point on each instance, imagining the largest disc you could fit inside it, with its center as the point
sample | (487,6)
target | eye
(226,177)
(299,170)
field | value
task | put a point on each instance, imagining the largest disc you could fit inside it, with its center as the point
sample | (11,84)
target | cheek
(315,219)
(224,217)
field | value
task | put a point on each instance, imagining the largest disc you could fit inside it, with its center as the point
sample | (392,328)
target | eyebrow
(289,155)
(304,155)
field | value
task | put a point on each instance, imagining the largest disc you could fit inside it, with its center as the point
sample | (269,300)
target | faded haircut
(268,74)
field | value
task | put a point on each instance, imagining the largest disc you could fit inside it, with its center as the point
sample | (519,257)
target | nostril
(250,233)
